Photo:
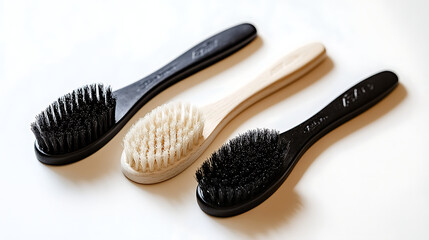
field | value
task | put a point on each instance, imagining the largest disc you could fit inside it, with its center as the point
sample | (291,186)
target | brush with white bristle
(168,133)
(171,137)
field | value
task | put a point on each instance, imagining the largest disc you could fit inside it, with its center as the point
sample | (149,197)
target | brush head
(162,137)
(75,119)
(242,169)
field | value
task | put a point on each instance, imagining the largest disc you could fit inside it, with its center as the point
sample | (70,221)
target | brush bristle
(242,168)
(163,137)
(75,120)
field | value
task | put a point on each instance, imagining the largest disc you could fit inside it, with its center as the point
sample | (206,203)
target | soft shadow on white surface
(177,191)
(107,159)
(285,202)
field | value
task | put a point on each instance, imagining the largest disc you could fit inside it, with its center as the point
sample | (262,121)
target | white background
(368,179)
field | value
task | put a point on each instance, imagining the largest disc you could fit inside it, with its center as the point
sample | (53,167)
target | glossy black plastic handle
(131,98)
(354,101)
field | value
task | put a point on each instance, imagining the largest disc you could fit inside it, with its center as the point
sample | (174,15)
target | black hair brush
(249,168)
(81,122)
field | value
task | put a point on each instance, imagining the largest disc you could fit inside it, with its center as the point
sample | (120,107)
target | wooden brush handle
(285,71)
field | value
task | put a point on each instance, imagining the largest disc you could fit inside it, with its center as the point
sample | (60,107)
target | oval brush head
(162,137)
(81,122)
(149,161)
(242,168)
(75,119)
(250,168)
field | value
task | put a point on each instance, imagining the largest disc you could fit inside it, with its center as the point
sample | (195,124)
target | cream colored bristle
(163,136)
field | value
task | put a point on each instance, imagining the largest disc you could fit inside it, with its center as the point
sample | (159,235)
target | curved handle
(351,103)
(286,70)
(202,55)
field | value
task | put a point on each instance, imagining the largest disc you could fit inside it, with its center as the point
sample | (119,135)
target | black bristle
(242,168)
(86,95)
(75,120)
(56,111)
(93,89)
(101,94)
(80,98)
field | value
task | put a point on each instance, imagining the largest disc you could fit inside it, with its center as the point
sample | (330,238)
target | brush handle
(351,103)
(286,70)
(131,98)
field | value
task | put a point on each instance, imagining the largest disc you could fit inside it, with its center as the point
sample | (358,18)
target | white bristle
(163,136)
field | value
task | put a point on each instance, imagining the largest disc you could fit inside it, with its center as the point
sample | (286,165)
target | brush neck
(132,97)
(351,103)
(285,71)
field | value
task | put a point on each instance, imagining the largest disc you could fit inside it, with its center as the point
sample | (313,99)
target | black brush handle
(351,103)
(132,97)
(297,140)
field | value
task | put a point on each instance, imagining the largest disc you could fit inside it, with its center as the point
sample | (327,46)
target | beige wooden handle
(286,70)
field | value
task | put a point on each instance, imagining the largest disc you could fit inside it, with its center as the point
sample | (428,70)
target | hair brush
(81,122)
(171,137)
(249,168)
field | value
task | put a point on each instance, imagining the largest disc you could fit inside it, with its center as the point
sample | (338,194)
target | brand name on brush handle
(204,49)
(353,95)
(314,124)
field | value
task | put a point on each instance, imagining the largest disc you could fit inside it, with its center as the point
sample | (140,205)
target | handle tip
(248,27)
(388,77)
